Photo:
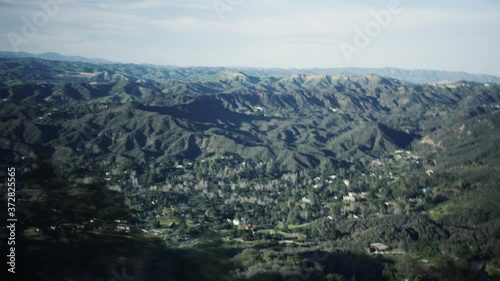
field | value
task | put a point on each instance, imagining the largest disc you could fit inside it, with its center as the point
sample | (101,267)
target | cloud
(263,32)
(155,4)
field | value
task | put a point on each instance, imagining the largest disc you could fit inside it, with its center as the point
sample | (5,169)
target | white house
(347,183)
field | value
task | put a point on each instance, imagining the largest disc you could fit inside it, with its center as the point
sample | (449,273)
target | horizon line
(107,61)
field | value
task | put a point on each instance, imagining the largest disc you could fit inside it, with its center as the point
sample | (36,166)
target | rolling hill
(76,112)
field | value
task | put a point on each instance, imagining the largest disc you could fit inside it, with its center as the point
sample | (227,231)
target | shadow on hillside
(204,110)
(399,138)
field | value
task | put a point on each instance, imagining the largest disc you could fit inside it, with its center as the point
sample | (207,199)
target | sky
(458,35)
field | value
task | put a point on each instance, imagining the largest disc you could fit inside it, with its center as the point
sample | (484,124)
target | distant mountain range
(412,76)
(53,56)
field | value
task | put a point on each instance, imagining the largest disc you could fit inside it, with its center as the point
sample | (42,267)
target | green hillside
(250,174)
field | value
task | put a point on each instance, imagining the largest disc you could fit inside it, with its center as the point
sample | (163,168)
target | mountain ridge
(418,76)
(154,115)
(54,56)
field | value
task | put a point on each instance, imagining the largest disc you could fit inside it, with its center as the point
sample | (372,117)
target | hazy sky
(427,34)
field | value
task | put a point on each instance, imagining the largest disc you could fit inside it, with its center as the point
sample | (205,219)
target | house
(159,216)
(349,199)
(123,228)
(347,183)
(377,248)
(245,227)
